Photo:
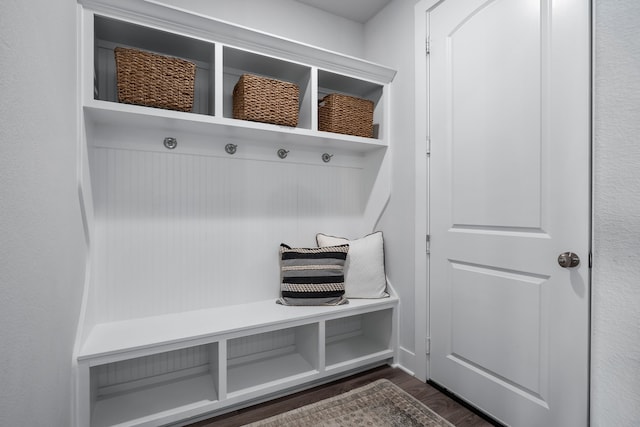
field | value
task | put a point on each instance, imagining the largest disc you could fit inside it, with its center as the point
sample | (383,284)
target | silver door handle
(568,260)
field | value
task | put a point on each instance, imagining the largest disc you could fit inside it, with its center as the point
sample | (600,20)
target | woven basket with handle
(154,80)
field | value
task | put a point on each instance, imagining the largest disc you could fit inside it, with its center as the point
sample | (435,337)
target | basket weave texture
(260,99)
(154,80)
(346,114)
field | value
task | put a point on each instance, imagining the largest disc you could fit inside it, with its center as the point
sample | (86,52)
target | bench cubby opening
(264,359)
(352,338)
(141,388)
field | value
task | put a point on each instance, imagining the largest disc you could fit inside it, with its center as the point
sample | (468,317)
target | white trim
(421,196)
(79,411)
(407,361)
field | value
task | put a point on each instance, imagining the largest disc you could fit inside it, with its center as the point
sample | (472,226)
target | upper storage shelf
(222,52)
(237,62)
(112,33)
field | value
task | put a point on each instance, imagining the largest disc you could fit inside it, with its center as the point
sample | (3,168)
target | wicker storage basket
(153,80)
(346,114)
(260,99)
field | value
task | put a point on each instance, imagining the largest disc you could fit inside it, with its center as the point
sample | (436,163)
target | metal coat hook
(282,153)
(231,148)
(326,157)
(170,142)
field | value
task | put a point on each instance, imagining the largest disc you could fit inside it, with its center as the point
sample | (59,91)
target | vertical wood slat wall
(181,232)
(151,366)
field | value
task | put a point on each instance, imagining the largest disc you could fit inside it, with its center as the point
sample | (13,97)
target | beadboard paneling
(260,343)
(179,232)
(126,371)
(344,326)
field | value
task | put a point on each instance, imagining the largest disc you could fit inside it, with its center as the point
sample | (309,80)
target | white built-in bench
(203,361)
(165,221)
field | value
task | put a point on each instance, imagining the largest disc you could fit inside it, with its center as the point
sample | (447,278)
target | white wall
(285,18)
(615,361)
(389,40)
(42,250)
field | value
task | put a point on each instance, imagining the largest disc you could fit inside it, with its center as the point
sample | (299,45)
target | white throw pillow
(364,274)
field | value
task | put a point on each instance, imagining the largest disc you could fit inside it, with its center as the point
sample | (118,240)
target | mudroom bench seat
(164,369)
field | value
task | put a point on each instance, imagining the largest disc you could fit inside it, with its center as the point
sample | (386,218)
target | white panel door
(509,118)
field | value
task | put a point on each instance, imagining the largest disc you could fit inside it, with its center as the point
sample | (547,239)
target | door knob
(568,260)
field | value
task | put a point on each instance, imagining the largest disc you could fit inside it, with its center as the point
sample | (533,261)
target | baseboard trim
(406,361)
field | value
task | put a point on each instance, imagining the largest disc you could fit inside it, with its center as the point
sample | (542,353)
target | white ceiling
(355,10)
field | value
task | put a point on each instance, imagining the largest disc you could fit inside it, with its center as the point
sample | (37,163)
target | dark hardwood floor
(439,402)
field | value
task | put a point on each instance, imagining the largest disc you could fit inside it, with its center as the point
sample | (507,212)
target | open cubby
(271,357)
(111,33)
(329,82)
(237,62)
(139,388)
(349,339)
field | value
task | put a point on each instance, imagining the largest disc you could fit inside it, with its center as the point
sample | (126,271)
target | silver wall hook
(170,142)
(326,157)
(282,153)
(231,148)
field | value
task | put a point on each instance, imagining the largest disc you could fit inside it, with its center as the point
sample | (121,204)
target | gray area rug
(378,404)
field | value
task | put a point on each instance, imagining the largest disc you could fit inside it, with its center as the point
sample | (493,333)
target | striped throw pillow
(312,276)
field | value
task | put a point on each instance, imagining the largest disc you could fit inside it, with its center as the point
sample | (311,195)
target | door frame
(422,187)
(421,109)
